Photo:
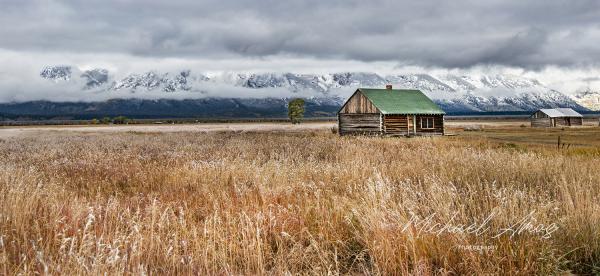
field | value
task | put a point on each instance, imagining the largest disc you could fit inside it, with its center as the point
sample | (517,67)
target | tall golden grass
(277,203)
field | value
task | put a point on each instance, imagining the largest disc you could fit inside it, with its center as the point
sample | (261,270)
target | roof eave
(413,113)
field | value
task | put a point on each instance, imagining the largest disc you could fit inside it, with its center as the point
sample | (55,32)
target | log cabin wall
(539,119)
(541,122)
(561,121)
(575,121)
(395,124)
(424,129)
(359,124)
(568,121)
(359,116)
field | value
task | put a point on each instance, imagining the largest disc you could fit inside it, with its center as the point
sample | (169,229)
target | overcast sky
(528,34)
(276,35)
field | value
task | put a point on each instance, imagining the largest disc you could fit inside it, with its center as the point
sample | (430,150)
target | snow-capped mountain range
(454,93)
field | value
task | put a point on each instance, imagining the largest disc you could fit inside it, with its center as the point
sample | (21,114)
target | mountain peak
(56,73)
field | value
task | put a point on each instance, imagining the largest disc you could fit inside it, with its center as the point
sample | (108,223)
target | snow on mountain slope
(589,99)
(459,83)
(56,73)
(455,93)
(151,81)
(422,82)
(499,93)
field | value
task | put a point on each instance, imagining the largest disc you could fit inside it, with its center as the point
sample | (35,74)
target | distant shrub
(120,120)
(511,145)
(334,130)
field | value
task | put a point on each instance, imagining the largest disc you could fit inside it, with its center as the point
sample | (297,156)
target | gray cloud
(450,34)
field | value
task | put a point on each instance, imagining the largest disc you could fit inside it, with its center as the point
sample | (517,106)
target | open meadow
(274,199)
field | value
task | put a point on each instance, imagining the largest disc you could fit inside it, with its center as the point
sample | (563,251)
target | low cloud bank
(20,76)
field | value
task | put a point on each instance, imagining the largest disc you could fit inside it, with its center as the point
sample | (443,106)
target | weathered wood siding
(361,124)
(358,103)
(395,124)
(541,122)
(411,125)
(561,121)
(568,121)
(438,125)
(540,119)
(576,121)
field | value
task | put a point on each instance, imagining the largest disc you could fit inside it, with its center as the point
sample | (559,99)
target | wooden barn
(556,117)
(390,112)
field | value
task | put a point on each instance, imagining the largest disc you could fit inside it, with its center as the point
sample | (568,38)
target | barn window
(427,123)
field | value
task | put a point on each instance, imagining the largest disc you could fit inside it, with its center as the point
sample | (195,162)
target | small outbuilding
(556,117)
(390,112)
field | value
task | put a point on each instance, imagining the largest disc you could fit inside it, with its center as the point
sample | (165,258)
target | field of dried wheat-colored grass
(312,202)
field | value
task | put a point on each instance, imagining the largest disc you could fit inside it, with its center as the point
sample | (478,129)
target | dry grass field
(504,200)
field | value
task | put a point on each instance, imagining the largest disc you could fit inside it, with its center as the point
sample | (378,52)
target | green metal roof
(400,101)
